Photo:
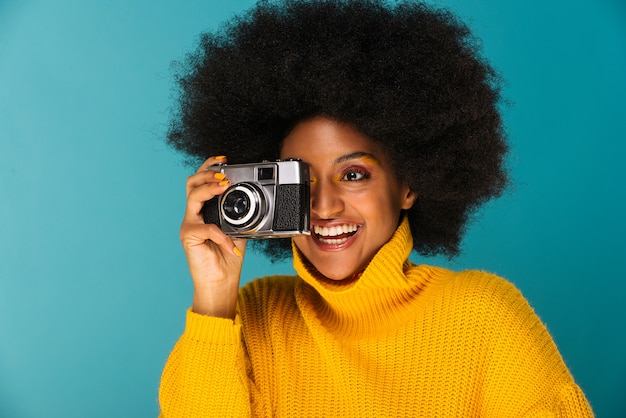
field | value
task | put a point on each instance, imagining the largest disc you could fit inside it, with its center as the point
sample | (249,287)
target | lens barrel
(241,206)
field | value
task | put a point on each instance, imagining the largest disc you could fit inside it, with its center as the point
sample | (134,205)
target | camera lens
(241,206)
(236,205)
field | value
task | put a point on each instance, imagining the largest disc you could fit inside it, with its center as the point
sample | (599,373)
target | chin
(335,270)
(339,277)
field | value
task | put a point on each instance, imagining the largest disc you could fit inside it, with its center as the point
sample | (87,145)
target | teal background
(93,283)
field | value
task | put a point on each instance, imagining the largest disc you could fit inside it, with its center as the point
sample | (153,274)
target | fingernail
(223,183)
(236,251)
(220,157)
(219,176)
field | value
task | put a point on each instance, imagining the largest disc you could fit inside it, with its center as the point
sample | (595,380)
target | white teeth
(333,241)
(334,231)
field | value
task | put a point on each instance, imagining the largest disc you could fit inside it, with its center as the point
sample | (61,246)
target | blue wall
(93,283)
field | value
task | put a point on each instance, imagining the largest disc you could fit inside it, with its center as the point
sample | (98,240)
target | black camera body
(265,200)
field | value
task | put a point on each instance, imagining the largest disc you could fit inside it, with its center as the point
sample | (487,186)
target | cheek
(376,203)
(380,210)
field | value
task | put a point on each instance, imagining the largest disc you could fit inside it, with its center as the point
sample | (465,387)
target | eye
(355,175)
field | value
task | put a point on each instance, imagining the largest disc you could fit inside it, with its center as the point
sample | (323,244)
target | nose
(326,200)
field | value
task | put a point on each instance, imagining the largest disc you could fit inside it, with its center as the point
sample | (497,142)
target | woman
(395,113)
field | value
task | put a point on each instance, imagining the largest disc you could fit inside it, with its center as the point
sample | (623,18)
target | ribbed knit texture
(402,341)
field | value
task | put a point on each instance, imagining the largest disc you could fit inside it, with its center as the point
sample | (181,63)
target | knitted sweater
(404,340)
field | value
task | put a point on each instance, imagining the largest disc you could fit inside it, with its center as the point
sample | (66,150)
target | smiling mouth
(336,234)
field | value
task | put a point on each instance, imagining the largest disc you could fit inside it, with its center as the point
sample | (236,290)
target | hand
(214,258)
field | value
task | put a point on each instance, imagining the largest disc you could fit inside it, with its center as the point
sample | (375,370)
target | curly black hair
(407,75)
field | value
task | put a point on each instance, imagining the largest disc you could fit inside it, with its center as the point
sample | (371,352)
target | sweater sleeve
(527,372)
(572,403)
(205,374)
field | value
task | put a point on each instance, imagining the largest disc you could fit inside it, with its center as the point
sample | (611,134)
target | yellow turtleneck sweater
(402,341)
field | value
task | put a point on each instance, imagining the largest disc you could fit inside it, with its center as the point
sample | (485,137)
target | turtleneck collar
(384,295)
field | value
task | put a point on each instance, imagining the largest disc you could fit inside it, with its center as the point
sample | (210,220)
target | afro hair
(407,75)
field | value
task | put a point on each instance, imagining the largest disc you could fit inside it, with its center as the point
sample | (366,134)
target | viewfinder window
(266,173)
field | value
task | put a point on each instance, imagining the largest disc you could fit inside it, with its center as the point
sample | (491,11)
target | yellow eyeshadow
(369,160)
(365,159)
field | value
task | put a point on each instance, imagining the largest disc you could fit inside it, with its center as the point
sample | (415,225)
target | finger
(220,159)
(193,235)
(207,177)
(240,244)
(199,195)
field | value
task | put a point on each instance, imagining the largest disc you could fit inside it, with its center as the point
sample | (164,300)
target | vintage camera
(265,200)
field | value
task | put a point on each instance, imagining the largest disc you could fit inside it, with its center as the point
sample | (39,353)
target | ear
(408,198)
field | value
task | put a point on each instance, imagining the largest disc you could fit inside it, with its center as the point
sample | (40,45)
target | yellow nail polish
(219,176)
(223,183)
(237,252)
(220,157)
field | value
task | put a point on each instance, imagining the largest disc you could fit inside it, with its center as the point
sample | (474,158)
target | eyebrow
(355,156)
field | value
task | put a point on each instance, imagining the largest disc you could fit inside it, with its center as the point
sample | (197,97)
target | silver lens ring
(240,205)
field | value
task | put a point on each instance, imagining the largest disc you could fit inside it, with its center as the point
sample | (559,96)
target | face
(356,199)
